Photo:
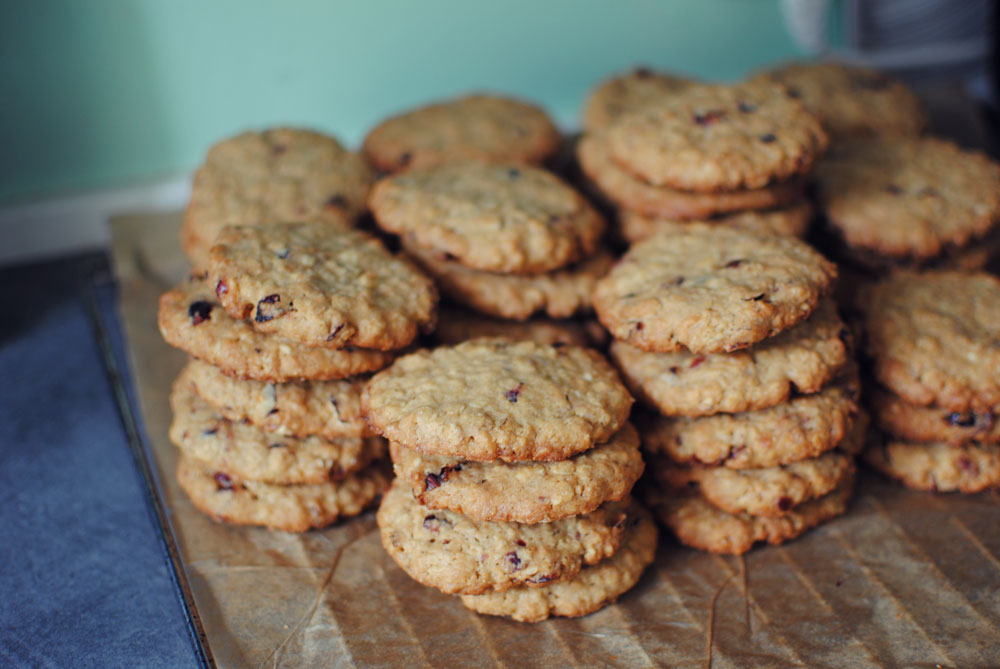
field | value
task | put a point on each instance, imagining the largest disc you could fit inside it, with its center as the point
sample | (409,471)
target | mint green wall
(98,93)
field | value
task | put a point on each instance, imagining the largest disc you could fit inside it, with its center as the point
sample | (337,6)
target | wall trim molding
(76,223)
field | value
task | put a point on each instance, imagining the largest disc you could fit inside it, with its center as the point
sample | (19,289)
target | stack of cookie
(507,240)
(272,176)
(514,464)
(731,338)
(933,340)
(267,412)
(664,152)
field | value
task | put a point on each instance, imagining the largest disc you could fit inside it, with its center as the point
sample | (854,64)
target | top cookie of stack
(499,234)
(276,175)
(671,153)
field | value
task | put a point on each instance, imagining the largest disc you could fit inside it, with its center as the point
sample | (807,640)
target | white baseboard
(64,225)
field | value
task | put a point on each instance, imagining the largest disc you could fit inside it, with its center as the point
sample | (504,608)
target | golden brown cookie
(558,294)
(907,198)
(938,467)
(330,409)
(768,491)
(626,93)
(191,319)
(496,399)
(629,192)
(292,508)
(934,338)
(486,128)
(803,427)
(322,287)
(508,218)
(717,137)
(455,554)
(524,492)
(800,360)
(791,221)
(911,422)
(711,290)
(248,453)
(272,176)
(588,591)
(700,525)
(851,101)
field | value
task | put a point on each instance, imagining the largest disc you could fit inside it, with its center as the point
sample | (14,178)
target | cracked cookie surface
(711,290)
(191,319)
(496,399)
(507,218)
(327,288)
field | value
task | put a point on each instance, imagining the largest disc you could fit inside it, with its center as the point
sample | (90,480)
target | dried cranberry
(514,560)
(520,542)
(223,481)
(709,117)
(785,503)
(199,311)
(965,464)
(675,370)
(432,481)
(697,361)
(512,394)
(268,308)
(967,419)
(337,202)
(221,288)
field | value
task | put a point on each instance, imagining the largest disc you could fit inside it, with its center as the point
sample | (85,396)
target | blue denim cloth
(84,580)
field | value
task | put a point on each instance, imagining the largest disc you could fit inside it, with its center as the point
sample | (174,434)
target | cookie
(933,338)
(938,467)
(330,409)
(292,508)
(711,290)
(805,426)
(456,325)
(455,554)
(248,453)
(496,399)
(524,492)
(272,176)
(851,101)
(718,137)
(191,319)
(507,218)
(629,192)
(911,422)
(626,93)
(700,525)
(558,294)
(800,360)
(768,491)
(792,221)
(322,287)
(588,591)
(907,198)
(485,128)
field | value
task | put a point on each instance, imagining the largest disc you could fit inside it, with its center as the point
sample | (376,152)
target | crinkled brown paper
(904,579)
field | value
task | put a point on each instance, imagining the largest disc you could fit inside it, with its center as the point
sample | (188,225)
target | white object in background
(807,21)
(60,226)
